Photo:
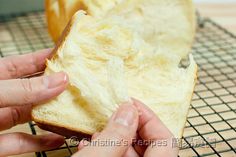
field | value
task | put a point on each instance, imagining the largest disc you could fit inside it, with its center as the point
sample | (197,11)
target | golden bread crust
(57,22)
(61,130)
(190,98)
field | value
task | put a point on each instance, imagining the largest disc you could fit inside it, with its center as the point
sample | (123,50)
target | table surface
(223,14)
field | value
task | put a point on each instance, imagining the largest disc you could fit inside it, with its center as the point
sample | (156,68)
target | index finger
(22,65)
(117,136)
(148,119)
(152,130)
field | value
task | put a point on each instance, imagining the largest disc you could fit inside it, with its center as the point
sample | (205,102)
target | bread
(59,12)
(132,50)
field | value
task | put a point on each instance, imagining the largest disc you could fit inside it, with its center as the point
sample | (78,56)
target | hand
(17,97)
(131,121)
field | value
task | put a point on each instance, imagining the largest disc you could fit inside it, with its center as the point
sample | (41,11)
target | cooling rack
(211,125)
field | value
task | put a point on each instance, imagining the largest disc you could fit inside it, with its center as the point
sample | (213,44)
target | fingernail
(139,111)
(125,115)
(137,107)
(55,80)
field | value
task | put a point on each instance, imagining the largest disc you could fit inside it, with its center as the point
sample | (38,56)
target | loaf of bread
(59,12)
(122,49)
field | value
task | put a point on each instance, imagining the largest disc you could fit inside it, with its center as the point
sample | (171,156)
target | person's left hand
(17,97)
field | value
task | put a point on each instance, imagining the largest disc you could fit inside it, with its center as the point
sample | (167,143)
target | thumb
(116,138)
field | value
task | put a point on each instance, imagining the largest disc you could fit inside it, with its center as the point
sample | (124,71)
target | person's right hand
(152,130)
(131,121)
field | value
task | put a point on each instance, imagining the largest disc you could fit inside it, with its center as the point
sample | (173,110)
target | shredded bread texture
(123,49)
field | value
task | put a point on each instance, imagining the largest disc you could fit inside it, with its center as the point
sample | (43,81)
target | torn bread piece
(131,52)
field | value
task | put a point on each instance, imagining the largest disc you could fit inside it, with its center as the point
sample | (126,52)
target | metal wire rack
(211,124)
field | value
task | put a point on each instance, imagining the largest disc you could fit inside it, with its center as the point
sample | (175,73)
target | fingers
(18,143)
(31,91)
(95,135)
(139,145)
(12,116)
(129,153)
(152,130)
(147,120)
(117,135)
(18,66)
(140,149)
(82,144)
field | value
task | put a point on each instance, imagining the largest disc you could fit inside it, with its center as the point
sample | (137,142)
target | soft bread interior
(131,52)
(59,12)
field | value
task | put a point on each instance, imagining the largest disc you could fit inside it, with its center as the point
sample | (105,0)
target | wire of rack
(211,125)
